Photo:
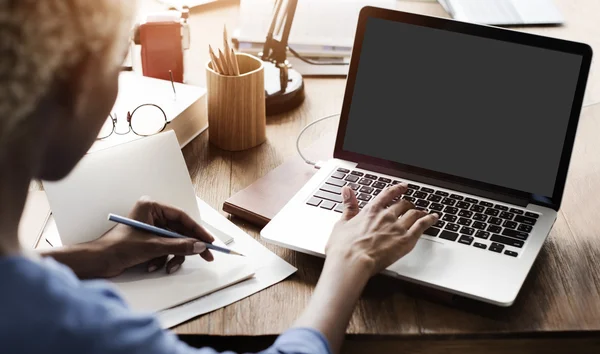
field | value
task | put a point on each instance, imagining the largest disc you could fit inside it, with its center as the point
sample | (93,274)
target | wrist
(85,260)
(358,266)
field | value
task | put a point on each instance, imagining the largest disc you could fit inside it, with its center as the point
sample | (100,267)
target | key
(385,180)
(338,175)
(511,253)
(463,205)
(354,186)
(507,241)
(525,220)
(494,229)
(365,181)
(343,170)
(410,199)
(379,185)
(448,201)
(471,200)
(413,186)
(501,207)
(485,204)
(510,224)
(480,217)
(376,192)
(465,213)
(457,197)
(436,207)
(409,192)
(480,245)
(482,234)
(426,190)
(352,178)
(339,208)
(366,189)
(447,235)
(336,182)
(362,204)
(531,215)
(329,196)
(434,198)
(331,189)
(492,212)
(479,225)
(420,195)
(364,197)
(432,231)
(450,218)
(442,193)
(464,222)
(396,182)
(422,203)
(525,228)
(439,223)
(465,240)
(506,215)
(357,173)
(467,231)
(516,211)
(370,176)
(314,201)
(516,234)
(450,210)
(452,227)
(496,247)
(327,205)
(477,208)
(495,221)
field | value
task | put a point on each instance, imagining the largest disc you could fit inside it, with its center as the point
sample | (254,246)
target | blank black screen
(468,106)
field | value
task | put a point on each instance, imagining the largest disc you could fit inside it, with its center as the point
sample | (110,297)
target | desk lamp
(284,86)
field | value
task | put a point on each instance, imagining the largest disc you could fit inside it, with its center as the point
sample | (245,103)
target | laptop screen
(473,107)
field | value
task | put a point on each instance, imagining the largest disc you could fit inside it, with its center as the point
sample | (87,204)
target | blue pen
(164,233)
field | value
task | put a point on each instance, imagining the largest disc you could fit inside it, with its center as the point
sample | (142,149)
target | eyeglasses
(147,119)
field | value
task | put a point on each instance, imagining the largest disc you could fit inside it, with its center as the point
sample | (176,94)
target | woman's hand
(383,232)
(362,244)
(124,247)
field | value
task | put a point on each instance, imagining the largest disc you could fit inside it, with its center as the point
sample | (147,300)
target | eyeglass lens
(148,120)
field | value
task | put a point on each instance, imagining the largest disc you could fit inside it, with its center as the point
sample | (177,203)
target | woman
(59,67)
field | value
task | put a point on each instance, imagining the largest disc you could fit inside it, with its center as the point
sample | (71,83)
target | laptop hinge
(509,199)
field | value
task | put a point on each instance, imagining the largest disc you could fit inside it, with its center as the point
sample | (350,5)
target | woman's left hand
(124,247)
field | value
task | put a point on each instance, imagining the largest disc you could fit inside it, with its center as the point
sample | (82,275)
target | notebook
(504,12)
(111,181)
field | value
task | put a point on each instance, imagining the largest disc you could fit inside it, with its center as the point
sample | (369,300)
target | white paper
(269,269)
(113,180)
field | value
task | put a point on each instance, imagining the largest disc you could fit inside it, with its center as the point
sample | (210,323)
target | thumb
(179,247)
(350,203)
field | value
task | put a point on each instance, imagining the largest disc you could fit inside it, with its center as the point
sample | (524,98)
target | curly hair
(40,40)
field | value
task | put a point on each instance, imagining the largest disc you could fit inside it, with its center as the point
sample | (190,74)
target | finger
(174,264)
(157,263)
(207,256)
(422,224)
(176,218)
(386,197)
(350,203)
(401,207)
(175,246)
(410,217)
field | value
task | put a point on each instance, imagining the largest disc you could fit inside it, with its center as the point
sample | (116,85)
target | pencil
(164,233)
(224,64)
(227,51)
(215,63)
(236,66)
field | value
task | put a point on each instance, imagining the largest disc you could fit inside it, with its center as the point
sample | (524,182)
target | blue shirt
(45,308)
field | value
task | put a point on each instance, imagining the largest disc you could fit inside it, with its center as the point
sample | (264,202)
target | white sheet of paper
(269,269)
(113,180)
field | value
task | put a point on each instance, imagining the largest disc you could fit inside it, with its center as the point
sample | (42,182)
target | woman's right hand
(381,233)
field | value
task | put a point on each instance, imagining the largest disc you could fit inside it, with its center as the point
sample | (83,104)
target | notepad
(112,181)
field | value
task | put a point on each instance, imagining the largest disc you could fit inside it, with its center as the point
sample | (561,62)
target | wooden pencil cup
(236,105)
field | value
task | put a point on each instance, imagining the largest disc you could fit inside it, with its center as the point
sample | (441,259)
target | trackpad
(427,258)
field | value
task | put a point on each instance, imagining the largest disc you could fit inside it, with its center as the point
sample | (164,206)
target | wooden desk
(558,310)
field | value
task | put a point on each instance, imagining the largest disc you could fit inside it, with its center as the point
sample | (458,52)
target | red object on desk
(162,50)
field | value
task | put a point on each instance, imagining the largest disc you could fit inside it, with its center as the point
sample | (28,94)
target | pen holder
(236,105)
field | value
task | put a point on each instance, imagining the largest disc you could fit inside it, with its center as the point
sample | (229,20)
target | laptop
(479,121)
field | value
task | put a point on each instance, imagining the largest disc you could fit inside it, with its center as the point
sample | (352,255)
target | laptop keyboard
(463,219)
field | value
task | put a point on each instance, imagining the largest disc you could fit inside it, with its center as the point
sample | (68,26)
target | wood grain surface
(560,298)
(236,105)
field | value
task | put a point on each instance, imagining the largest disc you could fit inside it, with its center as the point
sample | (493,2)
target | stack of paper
(111,181)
